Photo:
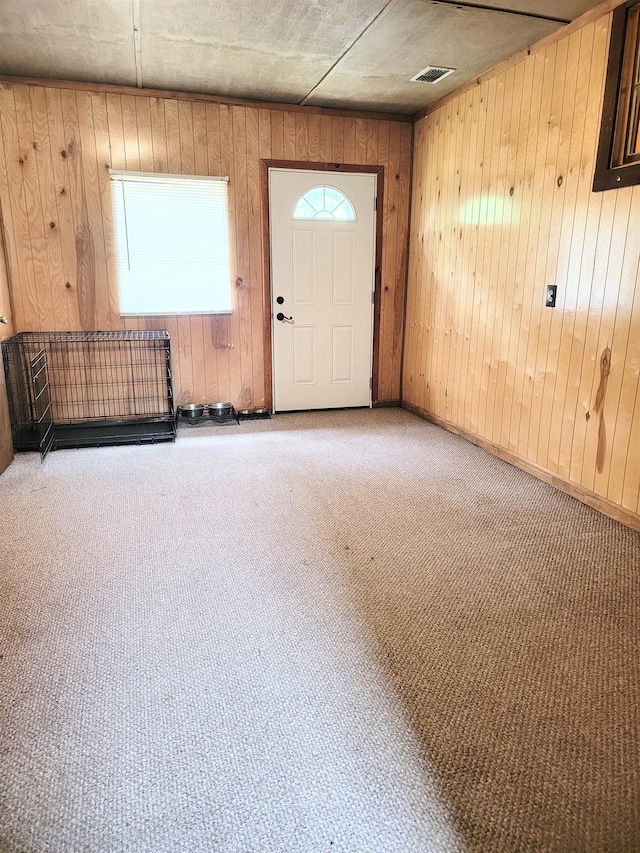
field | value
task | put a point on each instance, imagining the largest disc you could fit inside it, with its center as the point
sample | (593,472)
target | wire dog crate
(86,389)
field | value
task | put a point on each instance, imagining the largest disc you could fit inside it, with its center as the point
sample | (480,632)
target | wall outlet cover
(550,299)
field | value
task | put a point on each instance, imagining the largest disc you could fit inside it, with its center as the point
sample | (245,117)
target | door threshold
(329,409)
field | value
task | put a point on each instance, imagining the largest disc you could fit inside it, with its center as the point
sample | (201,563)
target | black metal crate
(101,387)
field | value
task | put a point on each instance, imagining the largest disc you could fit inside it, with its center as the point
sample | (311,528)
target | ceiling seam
(135,14)
(345,52)
(460,4)
(484,8)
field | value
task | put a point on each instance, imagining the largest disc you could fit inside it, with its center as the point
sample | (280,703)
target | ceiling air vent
(432,74)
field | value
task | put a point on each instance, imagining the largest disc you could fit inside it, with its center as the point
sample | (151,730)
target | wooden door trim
(304,165)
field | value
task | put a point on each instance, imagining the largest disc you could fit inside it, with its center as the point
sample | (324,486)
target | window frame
(613,139)
(330,218)
(121,176)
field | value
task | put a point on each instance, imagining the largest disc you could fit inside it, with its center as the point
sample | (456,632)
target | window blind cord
(126,227)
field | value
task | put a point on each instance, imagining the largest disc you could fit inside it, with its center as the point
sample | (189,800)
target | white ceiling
(357,54)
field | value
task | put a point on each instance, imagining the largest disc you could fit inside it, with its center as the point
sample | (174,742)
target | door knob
(283,318)
(4,320)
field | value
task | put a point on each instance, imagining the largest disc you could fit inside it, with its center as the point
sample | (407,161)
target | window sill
(614,179)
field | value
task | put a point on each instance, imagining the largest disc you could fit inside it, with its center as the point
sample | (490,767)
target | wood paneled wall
(6,330)
(502,207)
(56,145)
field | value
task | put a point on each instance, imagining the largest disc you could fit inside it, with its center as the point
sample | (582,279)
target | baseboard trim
(387,404)
(603,505)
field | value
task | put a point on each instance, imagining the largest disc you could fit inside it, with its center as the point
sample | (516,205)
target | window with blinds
(618,159)
(626,146)
(172,243)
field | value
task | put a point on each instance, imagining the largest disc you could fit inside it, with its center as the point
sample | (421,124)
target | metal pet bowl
(191,410)
(253,414)
(220,410)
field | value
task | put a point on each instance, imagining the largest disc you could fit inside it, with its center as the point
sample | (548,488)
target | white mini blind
(172,243)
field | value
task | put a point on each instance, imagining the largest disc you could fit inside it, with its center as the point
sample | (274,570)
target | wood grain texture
(6,443)
(502,207)
(6,331)
(113,88)
(56,147)
(603,505)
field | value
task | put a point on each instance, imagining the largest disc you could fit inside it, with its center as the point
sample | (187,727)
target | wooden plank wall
(56,145)
(6,331)
(502,206)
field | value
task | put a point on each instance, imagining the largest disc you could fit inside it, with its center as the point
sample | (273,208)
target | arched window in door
(324,202)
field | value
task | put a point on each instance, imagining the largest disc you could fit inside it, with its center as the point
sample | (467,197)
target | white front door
(322,228)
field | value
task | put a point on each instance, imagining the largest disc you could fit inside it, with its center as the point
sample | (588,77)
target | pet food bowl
(191,410)
(220,410)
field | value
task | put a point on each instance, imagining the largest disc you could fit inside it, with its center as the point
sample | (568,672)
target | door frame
(305,165)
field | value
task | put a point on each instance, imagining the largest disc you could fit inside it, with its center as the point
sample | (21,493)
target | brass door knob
(3,319)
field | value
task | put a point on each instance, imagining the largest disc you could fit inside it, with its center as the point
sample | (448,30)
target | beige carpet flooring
(348,632)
